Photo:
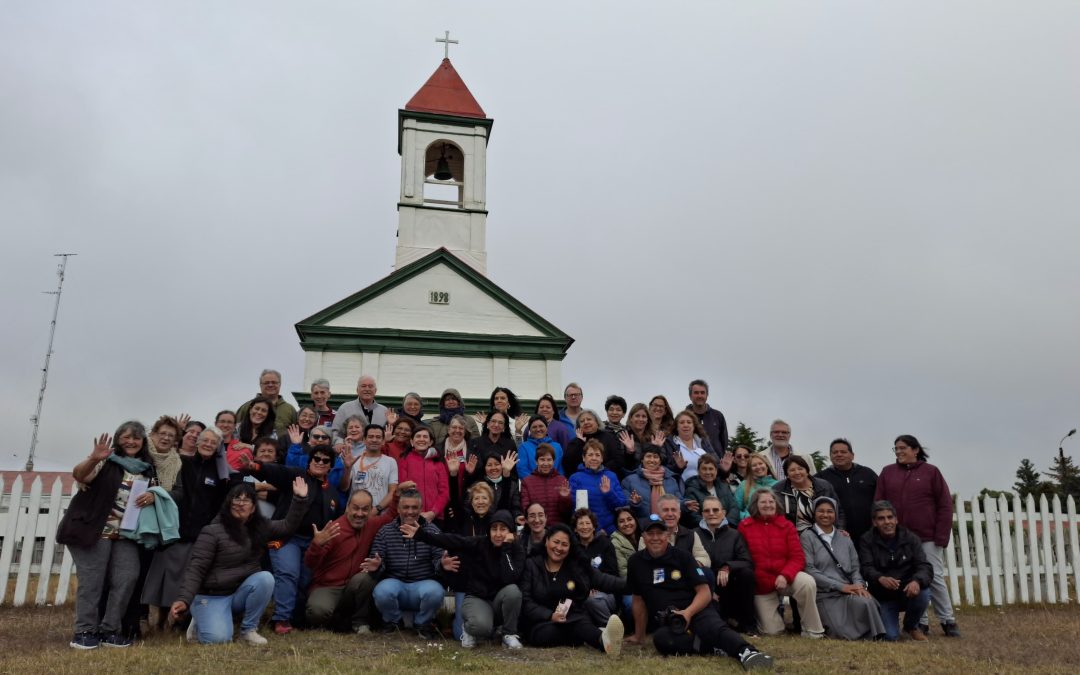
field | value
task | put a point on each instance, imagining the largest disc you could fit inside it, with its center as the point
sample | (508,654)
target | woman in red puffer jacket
(546,487)
(778,567)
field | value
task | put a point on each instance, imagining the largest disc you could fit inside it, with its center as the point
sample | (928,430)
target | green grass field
(1030,639)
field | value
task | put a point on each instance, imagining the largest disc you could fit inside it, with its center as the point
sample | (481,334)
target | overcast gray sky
(860,217)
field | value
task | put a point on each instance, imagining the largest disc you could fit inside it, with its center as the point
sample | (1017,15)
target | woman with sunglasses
(287,554)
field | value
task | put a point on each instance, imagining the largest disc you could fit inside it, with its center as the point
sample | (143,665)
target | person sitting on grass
(495,562)
(223,576)
(556,585)
(896,571)
(670,587)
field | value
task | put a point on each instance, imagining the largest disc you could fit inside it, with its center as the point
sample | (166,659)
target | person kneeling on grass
(223,576)
(495,562)
(668,586)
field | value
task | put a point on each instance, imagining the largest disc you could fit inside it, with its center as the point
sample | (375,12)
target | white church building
(437,321)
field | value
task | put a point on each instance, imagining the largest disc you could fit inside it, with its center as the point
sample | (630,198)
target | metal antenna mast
(36,419)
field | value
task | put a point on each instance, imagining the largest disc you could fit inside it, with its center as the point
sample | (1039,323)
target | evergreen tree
(1066,475)
(1029,482)
(819,460)
(744,435)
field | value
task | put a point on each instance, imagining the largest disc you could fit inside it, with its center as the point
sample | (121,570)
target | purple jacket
(921,497)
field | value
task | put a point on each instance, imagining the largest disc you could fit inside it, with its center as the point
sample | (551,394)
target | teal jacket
(742,502)
(158,524)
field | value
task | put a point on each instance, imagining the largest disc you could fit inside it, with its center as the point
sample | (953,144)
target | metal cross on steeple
(446,44)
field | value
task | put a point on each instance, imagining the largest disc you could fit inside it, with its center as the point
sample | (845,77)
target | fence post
(1033,549)
(1074,545)
(1006,550)
(965,554)
(14,509)
(56,496)
(1047,551)
(1059,549)
(1021,559)
(28,536)
(977,519)
(65,566)
(994,545)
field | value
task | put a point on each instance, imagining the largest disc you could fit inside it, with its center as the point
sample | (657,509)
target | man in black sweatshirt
(854,485)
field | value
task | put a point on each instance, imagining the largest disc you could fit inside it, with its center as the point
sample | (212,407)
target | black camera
(676,623)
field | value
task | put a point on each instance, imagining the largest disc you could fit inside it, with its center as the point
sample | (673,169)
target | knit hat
(502,516)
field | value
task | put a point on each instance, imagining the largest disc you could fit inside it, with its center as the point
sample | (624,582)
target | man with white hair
(364,407)
(780,450)
(270,387)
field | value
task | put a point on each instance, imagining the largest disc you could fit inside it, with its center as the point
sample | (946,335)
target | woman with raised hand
(451,406)
(847,609)
(498,474)
(108,563)
(661,417)
(461,466)
(601,484)
(546,487)
(223,576)
(556,587)
(688,445)
(759,475)
(495,562)
(495,438)
(707,483)
(190,440)
(424,465)
(306,420)
(473,521)
(399,431)
(616,457)
(651,481)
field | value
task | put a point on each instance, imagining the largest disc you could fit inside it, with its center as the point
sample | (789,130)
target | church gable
(438,294)
(440,299)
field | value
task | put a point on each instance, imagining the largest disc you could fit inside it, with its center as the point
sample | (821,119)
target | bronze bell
(442,168)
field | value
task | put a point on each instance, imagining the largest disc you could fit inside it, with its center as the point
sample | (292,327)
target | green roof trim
(316,335)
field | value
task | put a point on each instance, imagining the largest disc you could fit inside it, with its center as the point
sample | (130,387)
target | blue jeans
(912,608)
(290,575)
(213,614)
(459,618)
(423,597)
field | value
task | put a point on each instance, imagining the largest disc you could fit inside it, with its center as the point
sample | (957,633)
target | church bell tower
(442,138)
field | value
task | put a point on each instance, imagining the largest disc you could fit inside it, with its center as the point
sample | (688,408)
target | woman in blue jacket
(605,494)
(649,482)
(538,433)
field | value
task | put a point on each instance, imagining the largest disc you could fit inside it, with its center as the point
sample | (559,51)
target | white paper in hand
(131,512)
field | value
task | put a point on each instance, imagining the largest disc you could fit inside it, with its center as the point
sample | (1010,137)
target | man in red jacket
(340,593)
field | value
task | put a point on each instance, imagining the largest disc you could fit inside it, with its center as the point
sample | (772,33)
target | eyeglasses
(242,500)
(320,437)
(319,459)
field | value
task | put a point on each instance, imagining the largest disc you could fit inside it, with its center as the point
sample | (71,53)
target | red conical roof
(445,93)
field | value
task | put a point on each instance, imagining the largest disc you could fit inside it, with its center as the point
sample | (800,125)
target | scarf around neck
(130,464)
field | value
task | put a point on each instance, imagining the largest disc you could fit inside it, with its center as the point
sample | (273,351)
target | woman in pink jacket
(423,465)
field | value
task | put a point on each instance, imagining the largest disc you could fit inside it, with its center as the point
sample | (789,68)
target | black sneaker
(752,659)
(115,640)
(951,629)
(85,641)
(428,631)
(390,627)
(925,628)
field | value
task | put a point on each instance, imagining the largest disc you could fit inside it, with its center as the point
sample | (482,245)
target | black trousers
(708,632)
(737,599)
(576,631)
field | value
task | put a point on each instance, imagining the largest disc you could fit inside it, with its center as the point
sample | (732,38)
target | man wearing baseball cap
(669,587)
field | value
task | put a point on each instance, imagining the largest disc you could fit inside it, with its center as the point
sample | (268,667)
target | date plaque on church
(439,297)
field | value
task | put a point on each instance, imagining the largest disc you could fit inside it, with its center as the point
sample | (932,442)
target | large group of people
(551,526)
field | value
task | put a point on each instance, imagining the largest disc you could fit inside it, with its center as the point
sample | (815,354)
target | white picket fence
(1008,551)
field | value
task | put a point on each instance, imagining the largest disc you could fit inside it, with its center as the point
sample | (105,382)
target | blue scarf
(130,464)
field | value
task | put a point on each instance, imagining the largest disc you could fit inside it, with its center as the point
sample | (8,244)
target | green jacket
(158,524)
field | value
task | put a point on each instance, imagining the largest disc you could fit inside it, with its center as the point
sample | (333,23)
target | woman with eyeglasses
(223,577)
(923,505)
(198,492)
(306,420)
(287,554)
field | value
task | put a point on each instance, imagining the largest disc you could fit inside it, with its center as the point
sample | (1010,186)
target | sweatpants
(481,617)
(109,567)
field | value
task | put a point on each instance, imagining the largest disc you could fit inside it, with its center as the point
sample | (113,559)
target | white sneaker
(812,636)
(192,634)
(612,635)
(752,659)
(511,642)
(363,630)
(467,641)
(252,638)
